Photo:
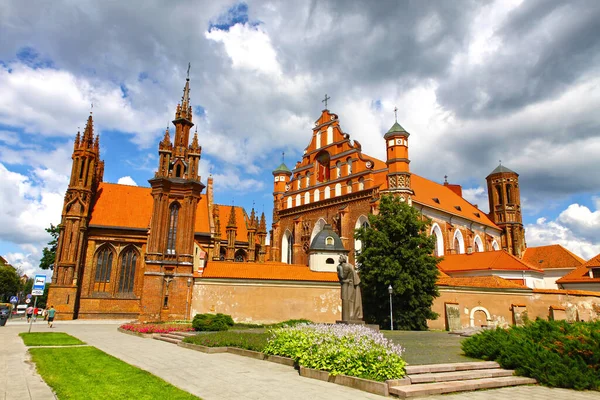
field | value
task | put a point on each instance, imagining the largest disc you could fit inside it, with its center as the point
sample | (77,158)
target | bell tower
(176,191)
(505,208)
(86,173)
(398,176)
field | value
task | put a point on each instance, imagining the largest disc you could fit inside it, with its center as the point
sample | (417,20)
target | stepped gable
(551,257)
(582,273)
(269,270)
(488,282)
(482,261)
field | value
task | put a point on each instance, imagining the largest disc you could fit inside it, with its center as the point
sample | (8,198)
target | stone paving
(210,376)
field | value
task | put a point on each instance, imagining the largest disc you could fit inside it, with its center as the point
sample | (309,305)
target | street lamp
(390,291)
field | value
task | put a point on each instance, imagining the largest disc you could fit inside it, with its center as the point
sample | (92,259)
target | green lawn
(429,347)
(87,373)
(250,339)
(49,339)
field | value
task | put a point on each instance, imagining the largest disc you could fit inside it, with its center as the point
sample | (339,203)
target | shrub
(157,327)
(212,322)
(291,322)
(556,353)
(352,350)
(243,340)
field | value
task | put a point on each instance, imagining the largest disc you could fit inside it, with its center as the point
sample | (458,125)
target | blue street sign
(29,296)
(39,282)
(14,299)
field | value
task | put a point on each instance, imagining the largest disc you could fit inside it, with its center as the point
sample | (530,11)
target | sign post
(39,283)
(13,300)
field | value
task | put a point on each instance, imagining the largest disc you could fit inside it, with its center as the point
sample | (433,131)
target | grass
(87,373)
(429,347)
(49,339)
(243,340)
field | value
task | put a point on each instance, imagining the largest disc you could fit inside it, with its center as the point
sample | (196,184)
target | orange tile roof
(426,190)
(122,206)
(488,260)
(552,256)
(131,207)
(491,282)
(569,292)
(265,271)
(593,262)
(582,274)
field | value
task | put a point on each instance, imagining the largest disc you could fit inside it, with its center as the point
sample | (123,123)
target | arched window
(439,240)
(361,222)
(306,198)
(327,192)
(478,244)
(459,243)
(508,194)
(240,256)
(178,171)
(317,228)
(361,183)
(307,179)
(495,245)
(499,194)
(349,187)
(338,189)
(298,200)
(318,141)
(338,169)
(349,164)
(317,195)
(127,276)
(299,183)
(323,166)
(287,245)
(222,254)
(289,202)
(329,261)
(104,265)
(329,135)
(172,237)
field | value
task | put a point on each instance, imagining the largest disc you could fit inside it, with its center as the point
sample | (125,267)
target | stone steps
(174,337)
(426,380)
(427,389)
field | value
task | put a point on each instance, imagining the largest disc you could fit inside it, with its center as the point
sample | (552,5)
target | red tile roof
(552,256)
(241,219)
(582,274)
(569,292)
(491,282)
(265,271)
(489,260)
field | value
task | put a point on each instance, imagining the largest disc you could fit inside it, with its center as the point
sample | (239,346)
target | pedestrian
(51,313)
(35,313)
(29,312)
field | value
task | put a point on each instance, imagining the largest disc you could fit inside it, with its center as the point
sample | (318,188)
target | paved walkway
(212,376)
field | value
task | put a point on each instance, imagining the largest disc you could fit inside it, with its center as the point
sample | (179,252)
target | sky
(475,82)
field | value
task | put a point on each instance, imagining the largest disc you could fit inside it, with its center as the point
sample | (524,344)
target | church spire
(88,133)
(184,109)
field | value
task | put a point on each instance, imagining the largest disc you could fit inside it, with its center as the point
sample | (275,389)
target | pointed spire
(77,139)
(195,145)
(262,225)
(232,223)
(97,143)
(166,142)
(88,133)
(252,219)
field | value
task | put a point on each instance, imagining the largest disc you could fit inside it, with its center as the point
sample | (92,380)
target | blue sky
(474,84)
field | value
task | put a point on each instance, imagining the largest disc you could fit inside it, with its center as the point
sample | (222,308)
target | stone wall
(267,302)
(498,305)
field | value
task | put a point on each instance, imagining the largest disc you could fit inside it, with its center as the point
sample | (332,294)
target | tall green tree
(397,251)
(10,283)
(49,252)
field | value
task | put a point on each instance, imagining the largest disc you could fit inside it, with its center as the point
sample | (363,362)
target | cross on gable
(325,100)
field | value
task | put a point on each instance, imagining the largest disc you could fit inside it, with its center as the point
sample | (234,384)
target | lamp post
(390,291)
(187,300)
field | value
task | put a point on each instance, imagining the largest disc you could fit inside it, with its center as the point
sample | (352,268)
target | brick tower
(505,208)
(397,160)
(176,191)
(87,171)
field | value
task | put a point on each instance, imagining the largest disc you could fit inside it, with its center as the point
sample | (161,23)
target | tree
(49,253)
(10,283)
(397,251)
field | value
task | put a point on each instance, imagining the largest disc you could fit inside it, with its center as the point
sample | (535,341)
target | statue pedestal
(359,322)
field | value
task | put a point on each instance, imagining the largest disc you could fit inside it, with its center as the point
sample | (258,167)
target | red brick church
(168,251)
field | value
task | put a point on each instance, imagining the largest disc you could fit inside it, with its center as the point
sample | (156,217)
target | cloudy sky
(475,82)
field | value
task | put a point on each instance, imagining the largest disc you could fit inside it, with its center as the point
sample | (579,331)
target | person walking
(29,312)
(35,313)
(51,314)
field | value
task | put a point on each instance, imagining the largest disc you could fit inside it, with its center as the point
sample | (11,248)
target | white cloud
(477,196)
(582,221)
(126,180)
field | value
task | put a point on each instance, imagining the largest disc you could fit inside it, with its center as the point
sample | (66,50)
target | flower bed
(157,328)
(242,340)
(352,350)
